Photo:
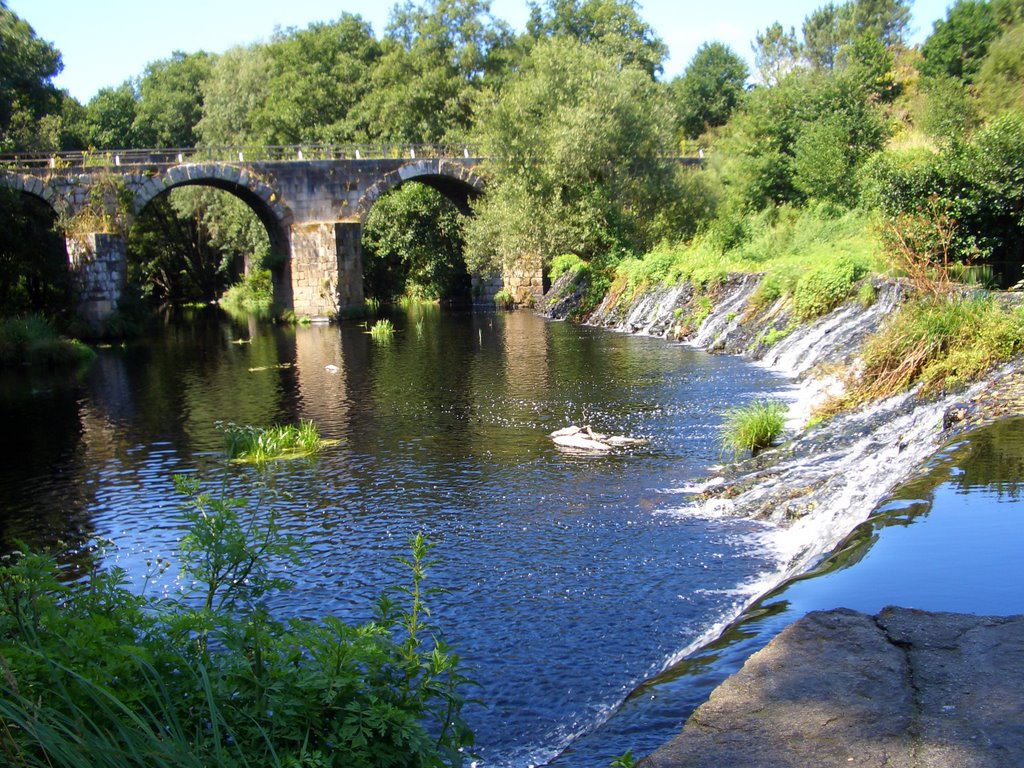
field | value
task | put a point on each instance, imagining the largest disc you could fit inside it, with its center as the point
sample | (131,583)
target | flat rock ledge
(903,689)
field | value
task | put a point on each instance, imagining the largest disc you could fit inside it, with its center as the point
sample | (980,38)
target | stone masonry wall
(98,267)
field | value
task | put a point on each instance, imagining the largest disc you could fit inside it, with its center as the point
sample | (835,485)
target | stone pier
(99,263)
(326,268)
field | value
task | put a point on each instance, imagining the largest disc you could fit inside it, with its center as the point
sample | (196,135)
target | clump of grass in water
(382,330)
(258,444)
(752,427)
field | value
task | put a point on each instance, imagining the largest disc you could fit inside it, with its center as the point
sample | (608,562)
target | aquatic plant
(258,444)
(94,673)
(383,330)
(752,427)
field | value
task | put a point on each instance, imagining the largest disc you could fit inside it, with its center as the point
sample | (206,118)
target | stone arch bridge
(312,201)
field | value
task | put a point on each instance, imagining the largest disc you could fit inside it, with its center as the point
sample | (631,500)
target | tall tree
(171,101)
(709,89)
(615,25)
(576,140)
(110,118)
(958,43)
(29,101)
(776,53)
(436,59)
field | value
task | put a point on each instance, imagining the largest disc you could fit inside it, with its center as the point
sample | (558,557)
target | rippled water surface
(566,585)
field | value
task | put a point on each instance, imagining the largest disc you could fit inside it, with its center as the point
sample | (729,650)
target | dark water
(566,585)
(950,540)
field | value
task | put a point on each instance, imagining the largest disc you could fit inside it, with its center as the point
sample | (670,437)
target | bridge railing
(150,158)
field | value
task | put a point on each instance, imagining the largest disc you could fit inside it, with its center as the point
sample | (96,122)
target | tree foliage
(613,25)
(710,88)
(30,104)
(412,246)
(170,100)
(575,141)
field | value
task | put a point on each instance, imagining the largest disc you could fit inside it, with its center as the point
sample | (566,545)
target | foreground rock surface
(903,689)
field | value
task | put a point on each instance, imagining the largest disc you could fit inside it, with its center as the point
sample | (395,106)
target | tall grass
(937,342)
(382,331)
(259,444)
(32,340)
(752,427)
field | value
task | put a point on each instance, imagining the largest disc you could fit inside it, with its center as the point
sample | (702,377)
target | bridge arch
(261,197)
(453,180)
(31,185)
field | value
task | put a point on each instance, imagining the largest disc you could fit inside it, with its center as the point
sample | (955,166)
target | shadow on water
(949,540)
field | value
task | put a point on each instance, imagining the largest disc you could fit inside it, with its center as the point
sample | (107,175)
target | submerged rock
(903,689)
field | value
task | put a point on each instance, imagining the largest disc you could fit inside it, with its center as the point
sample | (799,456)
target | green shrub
(567,262)
(752,427)
(32,340)
(254,295)
(95,674)
(504,299)
(825,287)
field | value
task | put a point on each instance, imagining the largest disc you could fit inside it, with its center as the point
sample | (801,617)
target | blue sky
(104,42)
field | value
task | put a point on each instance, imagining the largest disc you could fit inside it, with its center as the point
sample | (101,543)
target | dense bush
(96,674)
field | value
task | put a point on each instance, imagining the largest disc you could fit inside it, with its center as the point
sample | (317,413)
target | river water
(571,579)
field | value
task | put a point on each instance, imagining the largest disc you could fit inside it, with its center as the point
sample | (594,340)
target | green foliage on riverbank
(253,295)
(32,340)
(937,343)
(94,673)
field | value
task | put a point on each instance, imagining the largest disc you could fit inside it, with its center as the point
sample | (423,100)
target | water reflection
(566,587)
(949,540)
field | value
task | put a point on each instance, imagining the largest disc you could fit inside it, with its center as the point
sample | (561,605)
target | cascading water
(815,489)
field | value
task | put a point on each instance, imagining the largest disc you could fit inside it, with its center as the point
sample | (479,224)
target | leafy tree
(29,102)
(958,43)
(413,245)
(575,140)
(110,118)
(436,60)
(316,77)
(1000,79)
(191,243)
(170,100)
(818,112)
(776,53)
(709,89)
(235,96)
(823,36)
(614,25)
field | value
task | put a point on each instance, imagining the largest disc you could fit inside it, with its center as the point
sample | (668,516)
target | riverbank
(824,480)
(904,689)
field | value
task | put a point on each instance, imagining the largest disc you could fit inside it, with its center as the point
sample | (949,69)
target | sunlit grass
(752,427)
(382,331)
(247,443)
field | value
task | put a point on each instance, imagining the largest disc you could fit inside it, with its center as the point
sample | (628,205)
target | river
(570,579)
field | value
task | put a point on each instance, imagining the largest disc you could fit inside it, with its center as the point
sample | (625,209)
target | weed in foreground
(92,673)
